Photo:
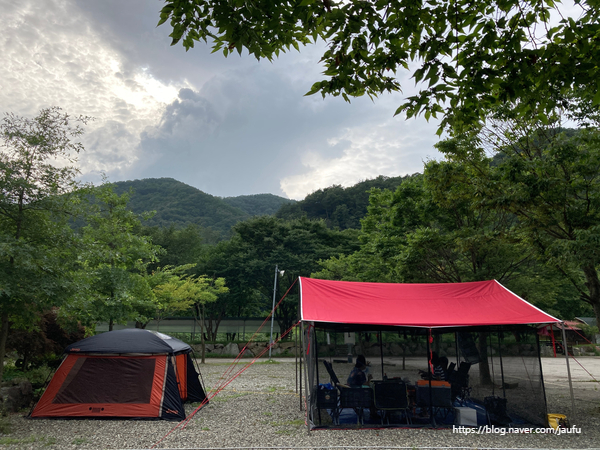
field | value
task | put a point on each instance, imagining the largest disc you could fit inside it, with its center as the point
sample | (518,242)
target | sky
(227,126)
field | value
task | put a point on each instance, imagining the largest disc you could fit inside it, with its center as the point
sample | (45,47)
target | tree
(248,260)
(164,283)
(468,56)
(181,245)
(37,180)
(113,263)
(549,178)
(339,207)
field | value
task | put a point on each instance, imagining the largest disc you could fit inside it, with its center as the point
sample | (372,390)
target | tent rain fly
(481,331)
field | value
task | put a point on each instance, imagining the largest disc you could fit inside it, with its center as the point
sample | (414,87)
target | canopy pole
(430,376)
(300,369)
(317,375)
(457,352)
(380,334)
(502,365)
(566,350)
(296,356)
(537,341)
(492,358)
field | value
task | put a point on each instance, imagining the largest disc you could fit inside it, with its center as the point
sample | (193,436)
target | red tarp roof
(415,305)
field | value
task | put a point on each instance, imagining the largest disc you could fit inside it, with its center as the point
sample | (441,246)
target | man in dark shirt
(358,376)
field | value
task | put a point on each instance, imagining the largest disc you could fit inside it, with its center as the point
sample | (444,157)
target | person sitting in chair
(360,376)
(439,364)
(440,368)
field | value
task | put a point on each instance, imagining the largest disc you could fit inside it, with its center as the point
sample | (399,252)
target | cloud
(372,146)
(228,126)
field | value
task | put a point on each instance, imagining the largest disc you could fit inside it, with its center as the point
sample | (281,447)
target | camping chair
(450,371)
(332,375)
(459,380)
(329,399)
(389,397)
(356,398)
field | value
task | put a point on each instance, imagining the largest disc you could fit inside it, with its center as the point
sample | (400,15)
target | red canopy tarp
(416,305)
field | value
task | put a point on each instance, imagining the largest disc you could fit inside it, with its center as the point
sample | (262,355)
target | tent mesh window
(108,380)
(498,367)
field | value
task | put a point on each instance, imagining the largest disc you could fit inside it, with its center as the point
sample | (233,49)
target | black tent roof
(129,340)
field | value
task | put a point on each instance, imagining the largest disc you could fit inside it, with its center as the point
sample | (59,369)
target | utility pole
(273,310)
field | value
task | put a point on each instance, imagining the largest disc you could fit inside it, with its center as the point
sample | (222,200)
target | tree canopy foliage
(113,262)
(466,56)
(431,229)
(549,179)
(37,180)
(248,259)
(338,206)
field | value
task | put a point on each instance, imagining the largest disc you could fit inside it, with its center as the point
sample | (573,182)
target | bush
(37,376)
(39,347)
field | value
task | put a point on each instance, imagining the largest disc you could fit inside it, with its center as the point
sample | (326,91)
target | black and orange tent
(130,373)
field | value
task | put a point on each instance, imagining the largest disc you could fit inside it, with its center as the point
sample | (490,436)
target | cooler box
(327,398)
(465,416)
(440,393)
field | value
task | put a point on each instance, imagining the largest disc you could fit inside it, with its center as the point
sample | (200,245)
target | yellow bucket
(554,420)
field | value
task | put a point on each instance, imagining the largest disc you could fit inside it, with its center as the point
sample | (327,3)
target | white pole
(273,310)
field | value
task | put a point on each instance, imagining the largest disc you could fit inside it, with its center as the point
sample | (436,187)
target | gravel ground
(260,409)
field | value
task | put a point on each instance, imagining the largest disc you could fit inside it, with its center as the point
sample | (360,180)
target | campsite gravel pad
(261,409)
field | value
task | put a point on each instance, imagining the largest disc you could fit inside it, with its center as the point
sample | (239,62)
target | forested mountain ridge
(259,204)
(179,204)
(339,206)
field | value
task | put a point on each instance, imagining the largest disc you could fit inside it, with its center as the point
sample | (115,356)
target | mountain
(259,204)
(180,204)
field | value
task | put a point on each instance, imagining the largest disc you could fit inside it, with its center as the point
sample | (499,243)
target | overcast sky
(228,126)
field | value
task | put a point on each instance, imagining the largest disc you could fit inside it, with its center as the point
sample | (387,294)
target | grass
(13,441)
(295,422)
(80,441)
(288,427)
(5,426)
(47,441)
(284,432)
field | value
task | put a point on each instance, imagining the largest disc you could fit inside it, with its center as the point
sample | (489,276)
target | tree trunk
(593,285)
(110,324)
(484,368)
(3,337)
